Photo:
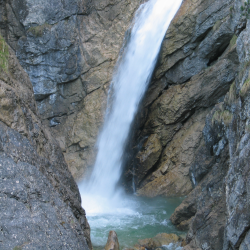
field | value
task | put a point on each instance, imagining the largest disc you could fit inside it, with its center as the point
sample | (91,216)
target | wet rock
(220,219)
(158,241)
(112,242)
(172,176)
(69,49)
(216,211)
(204,209)
(148,156)
(197,65)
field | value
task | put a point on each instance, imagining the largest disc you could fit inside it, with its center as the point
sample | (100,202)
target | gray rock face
(219,215)
(197,64)
(33,217)
(40,204)
(237,181)
(69,49)
(204,135)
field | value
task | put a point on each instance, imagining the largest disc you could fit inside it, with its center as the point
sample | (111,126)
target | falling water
(135,66)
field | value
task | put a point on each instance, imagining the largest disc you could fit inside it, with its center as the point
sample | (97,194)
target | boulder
(112,242)
(159,240)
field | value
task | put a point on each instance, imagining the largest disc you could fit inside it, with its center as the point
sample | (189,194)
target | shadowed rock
(40,204)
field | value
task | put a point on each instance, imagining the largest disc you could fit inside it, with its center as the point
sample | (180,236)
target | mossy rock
(222,116)
(4,54)
(245,88)
(231,95)
(217,25)
(233,40)
(227,117)
(38,31)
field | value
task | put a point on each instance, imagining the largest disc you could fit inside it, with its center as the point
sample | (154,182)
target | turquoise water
(136,218)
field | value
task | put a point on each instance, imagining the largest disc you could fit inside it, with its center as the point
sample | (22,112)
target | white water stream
(100,194)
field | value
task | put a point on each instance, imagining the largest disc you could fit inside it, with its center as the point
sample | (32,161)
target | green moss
(231,95)
(222,116)
(17,248)
(227,117)
(216,116)
(38,31)
(245,9)
(245,88)
(233,40)
(243,69)
(4,54)
(217,25)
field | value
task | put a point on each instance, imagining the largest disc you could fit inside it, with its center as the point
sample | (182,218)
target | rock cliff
(186,85)
(69,49)
(40,205)
(191,134)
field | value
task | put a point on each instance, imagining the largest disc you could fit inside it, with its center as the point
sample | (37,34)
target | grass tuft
(4,54)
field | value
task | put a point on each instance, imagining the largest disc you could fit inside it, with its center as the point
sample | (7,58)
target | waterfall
(131,77)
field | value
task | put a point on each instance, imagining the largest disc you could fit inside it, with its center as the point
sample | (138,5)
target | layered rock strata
(69,49)
(40,205)
(197,65)
(221,220)
(191,135)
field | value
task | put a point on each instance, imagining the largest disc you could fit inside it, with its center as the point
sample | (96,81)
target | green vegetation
(4,54)
(245,9)
(231,11)
(224,116)
(217,25)
(233,40)
(231,95)
(17,248)
(38,31)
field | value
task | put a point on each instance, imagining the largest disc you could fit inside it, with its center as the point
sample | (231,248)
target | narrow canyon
(189,138)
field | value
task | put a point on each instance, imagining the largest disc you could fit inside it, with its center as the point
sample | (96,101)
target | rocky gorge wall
(40,205)
(69,49)
(191,134)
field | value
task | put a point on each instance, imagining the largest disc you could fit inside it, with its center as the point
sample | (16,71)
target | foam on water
(130,81)
(172,246)
(148,218)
